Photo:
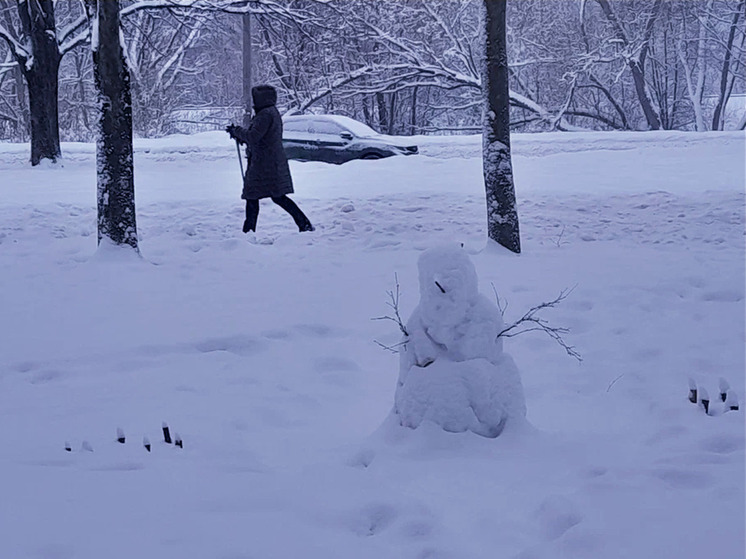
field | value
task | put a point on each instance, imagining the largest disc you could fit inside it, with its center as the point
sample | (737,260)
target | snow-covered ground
(262,356)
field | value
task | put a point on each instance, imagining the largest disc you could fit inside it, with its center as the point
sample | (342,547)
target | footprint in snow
(362,459)
(683,479)
(319,331)
(45,376)
(240,345)
(373,519)
(556,515)
(331,363)
(723,444)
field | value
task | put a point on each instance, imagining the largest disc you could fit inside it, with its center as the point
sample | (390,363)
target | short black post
(120,435)
(177,441)
(732,402)
(724,387)
(166,433)
(705,400)
(692,391)
(146,443)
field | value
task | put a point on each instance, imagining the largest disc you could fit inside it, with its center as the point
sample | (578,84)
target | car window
(295,126)
(325,127)
(354,126)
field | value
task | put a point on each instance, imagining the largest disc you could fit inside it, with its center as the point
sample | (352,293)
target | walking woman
(268,173)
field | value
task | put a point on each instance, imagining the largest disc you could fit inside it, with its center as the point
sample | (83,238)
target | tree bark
(116,189)
(413,114)
(38,23)
(392,113)
(502,215)
(383,121)
(23,107)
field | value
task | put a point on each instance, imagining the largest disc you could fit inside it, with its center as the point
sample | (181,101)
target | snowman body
(453,370)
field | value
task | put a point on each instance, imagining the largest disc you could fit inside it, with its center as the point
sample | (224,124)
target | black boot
(252,213)
(303,223)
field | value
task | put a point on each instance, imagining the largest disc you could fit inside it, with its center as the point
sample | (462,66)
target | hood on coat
(263,96)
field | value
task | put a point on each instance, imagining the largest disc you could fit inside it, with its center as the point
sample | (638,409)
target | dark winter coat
(268,173)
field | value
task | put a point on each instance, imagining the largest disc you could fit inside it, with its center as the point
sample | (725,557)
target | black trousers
(252,213)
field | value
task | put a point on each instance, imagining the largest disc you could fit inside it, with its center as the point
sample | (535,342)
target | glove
(231,129)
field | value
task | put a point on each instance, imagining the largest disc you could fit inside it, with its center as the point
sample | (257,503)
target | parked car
(337,139)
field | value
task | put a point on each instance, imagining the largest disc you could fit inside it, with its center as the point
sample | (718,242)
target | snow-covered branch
(20,52)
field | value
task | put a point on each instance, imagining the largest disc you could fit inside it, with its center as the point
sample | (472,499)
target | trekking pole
(240,158)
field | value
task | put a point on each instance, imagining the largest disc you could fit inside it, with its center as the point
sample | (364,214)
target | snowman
(453,370)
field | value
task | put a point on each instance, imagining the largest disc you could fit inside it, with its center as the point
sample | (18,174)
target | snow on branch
(531,322)
(20,52)
(77,33)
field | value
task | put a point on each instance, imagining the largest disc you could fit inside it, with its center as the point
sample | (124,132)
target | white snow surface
(262,356)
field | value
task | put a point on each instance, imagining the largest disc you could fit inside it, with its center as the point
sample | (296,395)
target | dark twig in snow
(558,240)
(500,302)
(531,322)
(613,382)
(440,287)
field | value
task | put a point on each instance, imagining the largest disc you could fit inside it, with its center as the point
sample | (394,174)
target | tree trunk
(81,92)
(717,122)
(116,189)
(742,123)
(392,113)
(20,89)
(502,215)
(367,113)
(247,84)
(38,23)
(413,114)
(382,116)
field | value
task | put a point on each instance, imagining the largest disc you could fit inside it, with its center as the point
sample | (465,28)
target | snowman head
(448,281)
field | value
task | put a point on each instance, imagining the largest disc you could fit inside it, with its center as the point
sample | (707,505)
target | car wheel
(371,156)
